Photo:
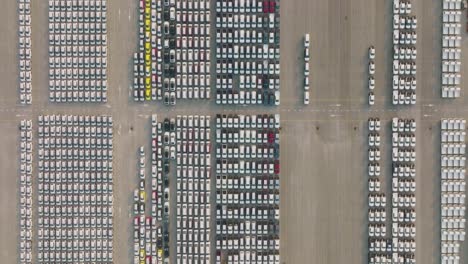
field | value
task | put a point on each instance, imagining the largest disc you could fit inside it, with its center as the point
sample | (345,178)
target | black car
(276,152)
(166,99)
(272,99)
(166,57)
(172,29)
(166,167)
(172,125)
(172,71)
(266,98)
(172,43)
(159,243)
(167,124)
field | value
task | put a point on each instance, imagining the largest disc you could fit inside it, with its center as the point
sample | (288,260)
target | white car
(413,98)
(371,185)
(371,83)
(377,124)
(371,140)
(413,126)
(395,97)
(306,97)
(377,169)
(371,200)
(306,40)
(371,67)
(377,154)
(371,98)
(371,123)
(371,169)
(371,155)
(306,69)
(371,53)
(277,97)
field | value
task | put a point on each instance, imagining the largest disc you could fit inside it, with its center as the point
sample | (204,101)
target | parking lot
(323,146)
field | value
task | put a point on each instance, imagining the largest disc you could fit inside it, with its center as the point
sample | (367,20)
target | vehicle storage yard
(324,145)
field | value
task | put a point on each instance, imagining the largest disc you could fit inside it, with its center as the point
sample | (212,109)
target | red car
(154,195)
(271,137)
(148,221)
(265,7)
(272,6)
(277,167)
(148,260)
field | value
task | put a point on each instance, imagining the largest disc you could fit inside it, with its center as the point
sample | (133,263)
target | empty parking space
(9,216)
(323,203)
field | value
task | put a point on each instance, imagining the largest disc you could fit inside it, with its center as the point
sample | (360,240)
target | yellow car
(143,195)
(148,48)
(148,94)
(148,60)
(160,253)
(148,25)
(148,3)
(142,254)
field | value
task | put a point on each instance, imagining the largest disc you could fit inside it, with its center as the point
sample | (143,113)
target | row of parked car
(162,143)
(79,5)
(246,6)
(236,67)
(247,205)
(78,51)
(376,215)
(306,68)
(404,53)
(371,79)
(25,192)
(24,51)
(403,188)
(451,54)
(252,97)
(376,212)
(193,189)
(247,44)
(75,185)
(147,237)
(453,188)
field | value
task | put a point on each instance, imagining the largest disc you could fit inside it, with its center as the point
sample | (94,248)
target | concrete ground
(323,145)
